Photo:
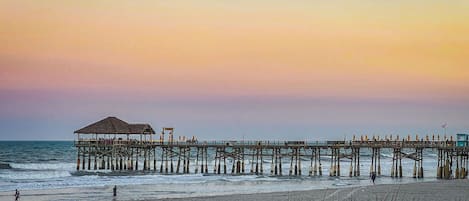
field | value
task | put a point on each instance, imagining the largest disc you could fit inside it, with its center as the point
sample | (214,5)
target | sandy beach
(428,191)
(457,190)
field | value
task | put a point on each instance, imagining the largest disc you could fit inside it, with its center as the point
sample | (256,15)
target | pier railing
(277,143)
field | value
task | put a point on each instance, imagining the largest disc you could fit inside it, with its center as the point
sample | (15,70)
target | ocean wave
(386,155)
(43,166)
(34,175)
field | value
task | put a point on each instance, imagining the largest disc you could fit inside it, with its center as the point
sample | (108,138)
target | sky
(216,69)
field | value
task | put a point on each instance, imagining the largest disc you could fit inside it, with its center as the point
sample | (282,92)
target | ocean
(49,165)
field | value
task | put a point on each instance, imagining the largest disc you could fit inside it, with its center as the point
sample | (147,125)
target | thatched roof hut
(113,125)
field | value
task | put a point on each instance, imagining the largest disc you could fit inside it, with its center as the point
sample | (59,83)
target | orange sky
(354,50)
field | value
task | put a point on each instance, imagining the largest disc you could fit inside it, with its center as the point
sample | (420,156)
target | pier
(115,145)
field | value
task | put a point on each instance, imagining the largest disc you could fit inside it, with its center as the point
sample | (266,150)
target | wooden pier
(112,144)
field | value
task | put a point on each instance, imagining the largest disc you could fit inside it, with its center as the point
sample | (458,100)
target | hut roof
(141,128)
(113,125)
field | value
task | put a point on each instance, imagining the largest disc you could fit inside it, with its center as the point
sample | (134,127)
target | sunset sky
(227,69)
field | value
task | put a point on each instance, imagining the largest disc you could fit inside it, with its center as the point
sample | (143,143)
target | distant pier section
(115,145)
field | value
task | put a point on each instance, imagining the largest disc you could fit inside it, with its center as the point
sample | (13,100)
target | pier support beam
(78,159)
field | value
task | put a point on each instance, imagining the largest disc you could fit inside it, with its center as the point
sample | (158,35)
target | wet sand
(457,190)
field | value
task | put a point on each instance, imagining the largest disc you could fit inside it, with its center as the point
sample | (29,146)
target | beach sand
(457,190)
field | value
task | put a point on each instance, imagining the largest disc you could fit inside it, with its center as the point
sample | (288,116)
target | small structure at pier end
(462,139)
(113,144)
